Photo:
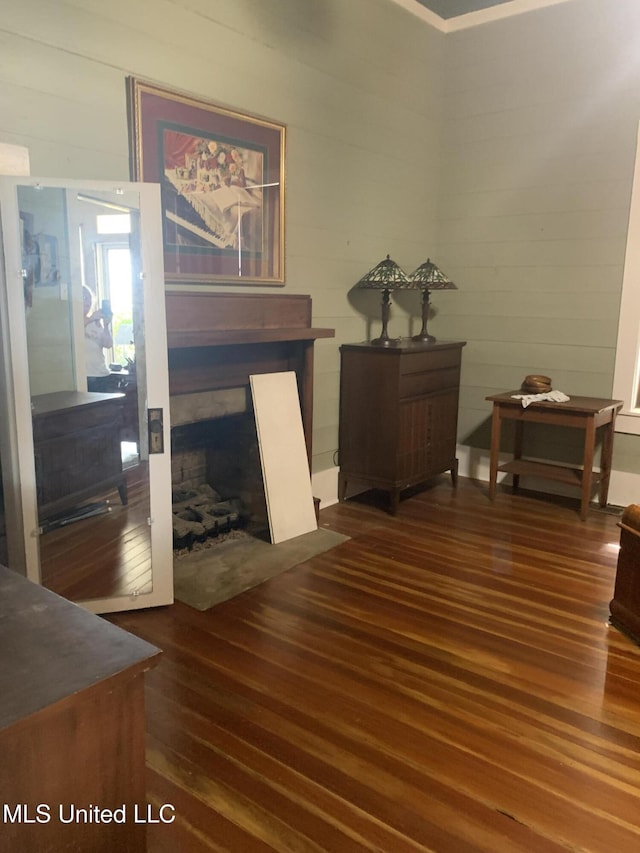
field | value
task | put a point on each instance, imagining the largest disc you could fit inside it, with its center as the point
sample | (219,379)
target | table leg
(605,459)
(496,426)
(122,491)
(587,465)
(517,450)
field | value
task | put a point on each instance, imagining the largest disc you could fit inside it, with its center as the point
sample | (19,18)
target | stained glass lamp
(428,277)
(385,276)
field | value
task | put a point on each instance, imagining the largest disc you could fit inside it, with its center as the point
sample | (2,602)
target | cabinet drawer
(420,362)
(417,384)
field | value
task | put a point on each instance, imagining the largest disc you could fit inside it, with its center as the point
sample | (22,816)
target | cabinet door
(74,531)
(427,439)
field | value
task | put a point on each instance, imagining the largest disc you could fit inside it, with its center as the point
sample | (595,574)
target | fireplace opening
(217,486)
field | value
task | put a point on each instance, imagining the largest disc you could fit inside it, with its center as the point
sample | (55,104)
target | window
(626,379)
(113,223)
(115,284)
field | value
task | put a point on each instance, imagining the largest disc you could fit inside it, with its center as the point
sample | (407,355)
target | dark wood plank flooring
(445,680)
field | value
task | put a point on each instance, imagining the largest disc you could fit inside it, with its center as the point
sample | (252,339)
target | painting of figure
(214,192)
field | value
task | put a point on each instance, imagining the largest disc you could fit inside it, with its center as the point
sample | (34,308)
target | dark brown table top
(51,649)
(586,405)
(398,345)
(59,401)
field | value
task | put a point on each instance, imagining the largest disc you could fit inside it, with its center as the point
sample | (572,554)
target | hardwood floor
(445,680)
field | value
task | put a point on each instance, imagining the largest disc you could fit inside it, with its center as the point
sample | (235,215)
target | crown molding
(424,14)
(475,19)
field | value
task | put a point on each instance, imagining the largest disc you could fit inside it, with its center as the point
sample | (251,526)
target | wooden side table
(585,413)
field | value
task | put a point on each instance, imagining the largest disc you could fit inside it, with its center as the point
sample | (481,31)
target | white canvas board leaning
(283,455)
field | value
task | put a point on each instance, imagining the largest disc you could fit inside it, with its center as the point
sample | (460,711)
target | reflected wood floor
(106,555)
(445,680)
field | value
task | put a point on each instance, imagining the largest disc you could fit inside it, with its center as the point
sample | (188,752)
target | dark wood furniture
(72,727)
(76,437)
(585,413)
(217,340)
(124,382)
(398,414)
(625,604)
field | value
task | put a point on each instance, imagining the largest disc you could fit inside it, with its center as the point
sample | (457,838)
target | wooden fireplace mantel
(212,338)
(218,340)
(217,319)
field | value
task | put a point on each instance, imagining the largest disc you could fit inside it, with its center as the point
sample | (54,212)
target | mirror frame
(16,431)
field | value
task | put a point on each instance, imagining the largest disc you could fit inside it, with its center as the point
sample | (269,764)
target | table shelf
(548,470)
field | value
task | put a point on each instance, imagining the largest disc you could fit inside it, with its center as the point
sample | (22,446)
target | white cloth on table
(549,396)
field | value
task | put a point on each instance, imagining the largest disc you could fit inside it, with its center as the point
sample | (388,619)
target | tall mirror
(83,285)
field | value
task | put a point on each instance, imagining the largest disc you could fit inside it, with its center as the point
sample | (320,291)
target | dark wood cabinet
(398,414)
(72,726)
(76,439)
(625,604)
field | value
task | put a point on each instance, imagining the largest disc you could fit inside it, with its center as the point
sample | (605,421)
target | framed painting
(222,185)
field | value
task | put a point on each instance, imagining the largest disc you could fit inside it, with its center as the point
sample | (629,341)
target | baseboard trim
(473,462)
(624,488)
(324,485)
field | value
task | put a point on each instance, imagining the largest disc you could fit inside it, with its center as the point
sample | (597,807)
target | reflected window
(115,284)
(113,223)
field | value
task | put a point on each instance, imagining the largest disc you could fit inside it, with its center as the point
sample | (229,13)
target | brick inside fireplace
(222,453)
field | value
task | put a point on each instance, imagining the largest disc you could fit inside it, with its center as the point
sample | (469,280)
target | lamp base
(424,338)
(383,342)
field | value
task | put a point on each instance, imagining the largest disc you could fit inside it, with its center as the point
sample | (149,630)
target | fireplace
(216,479)
(216,341)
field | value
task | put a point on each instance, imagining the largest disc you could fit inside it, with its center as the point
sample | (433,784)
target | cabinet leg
(122,491)
(394,501)
(342,487)
(454,473)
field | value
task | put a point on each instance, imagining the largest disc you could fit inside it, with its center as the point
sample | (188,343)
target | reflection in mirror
(4,551)
(87,375)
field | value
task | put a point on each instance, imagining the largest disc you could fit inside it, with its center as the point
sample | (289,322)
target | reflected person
(98,337)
